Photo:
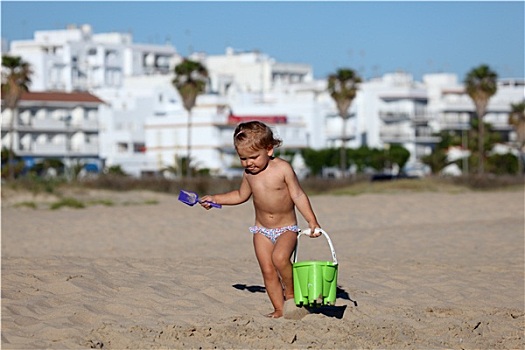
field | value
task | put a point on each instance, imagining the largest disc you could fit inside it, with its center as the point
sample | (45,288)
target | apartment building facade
(55,125)
(76,59)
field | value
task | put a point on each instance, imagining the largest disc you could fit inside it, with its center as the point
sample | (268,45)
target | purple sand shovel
(191,198)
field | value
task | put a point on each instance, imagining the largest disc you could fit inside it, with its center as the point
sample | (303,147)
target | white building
(392,109)
(243,86)
(106,65)
(145,129)
(75,59)
(55,125)
(451,108)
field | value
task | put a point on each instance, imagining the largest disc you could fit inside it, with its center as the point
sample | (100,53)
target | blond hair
(255,135)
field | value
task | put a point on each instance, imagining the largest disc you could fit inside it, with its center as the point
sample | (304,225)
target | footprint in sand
(293,312)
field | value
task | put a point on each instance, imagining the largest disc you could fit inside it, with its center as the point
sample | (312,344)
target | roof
(59,96)
(404,95)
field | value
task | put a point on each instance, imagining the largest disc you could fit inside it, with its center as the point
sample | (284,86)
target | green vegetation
(361,158)
(494,164)
(190,81)
(26,204)
(67,202)
(68,194)
(16,78)
(481,85)
(342,87)
(105,202)
(401,186)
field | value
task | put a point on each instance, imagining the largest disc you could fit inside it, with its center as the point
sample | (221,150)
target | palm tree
(16,77)
(190,80)
(517,120)
(481,85)
(342,87)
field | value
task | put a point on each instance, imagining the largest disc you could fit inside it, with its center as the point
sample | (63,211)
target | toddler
(275,191)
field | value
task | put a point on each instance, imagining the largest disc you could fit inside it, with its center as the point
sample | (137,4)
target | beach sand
(424,270)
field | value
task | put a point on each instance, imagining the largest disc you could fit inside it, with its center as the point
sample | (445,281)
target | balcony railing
(85,149)
(425,135)
(87,125)
(336,134)
(392,117)
(421,118)
(58,149)
(46,124)
(392,136)
(426,139)
(53,125)
(49,149)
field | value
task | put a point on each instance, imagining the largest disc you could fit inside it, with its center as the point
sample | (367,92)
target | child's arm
(230,198)
(301,200)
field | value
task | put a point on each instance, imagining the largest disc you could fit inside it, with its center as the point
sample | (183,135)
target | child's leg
(263,251)
(282,252)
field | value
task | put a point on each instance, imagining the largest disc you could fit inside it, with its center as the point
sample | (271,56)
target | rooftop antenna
(190,46)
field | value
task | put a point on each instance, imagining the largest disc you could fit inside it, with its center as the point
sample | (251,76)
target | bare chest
(266,184)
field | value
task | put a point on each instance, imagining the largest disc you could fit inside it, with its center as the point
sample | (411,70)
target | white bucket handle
(308,232)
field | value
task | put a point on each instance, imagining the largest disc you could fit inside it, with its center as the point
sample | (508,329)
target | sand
(416,271)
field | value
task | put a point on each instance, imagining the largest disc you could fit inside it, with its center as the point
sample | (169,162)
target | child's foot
(293,312)
(275,314)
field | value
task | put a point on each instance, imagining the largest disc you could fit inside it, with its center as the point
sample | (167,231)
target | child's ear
(270,152)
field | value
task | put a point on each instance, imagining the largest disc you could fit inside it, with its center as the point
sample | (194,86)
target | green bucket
(315,282)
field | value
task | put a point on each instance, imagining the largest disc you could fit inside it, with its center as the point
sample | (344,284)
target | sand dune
(416,270)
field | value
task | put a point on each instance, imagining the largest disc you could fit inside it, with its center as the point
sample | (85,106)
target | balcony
(424,135)
(44,125)
(336,134)
(53,125)
(394,117)
(84,149)
(338,137)
(48,149)
(460,105)
(421,119)
(396,135)
(85,125)
(58,149)
(455,121)
(427,139)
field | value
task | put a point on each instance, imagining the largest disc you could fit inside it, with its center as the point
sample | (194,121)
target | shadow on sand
(332,310)
(251,289)
(327,310)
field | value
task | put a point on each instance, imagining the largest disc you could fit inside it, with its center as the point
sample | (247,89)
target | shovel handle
(215,205)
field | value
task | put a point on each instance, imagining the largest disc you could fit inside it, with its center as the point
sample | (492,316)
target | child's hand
(205,202)
(316,231)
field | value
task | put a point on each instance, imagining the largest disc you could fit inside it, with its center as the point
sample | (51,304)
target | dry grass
(354,186)
(401,186)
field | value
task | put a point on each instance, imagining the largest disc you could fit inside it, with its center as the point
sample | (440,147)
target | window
(122,147)
(139,148)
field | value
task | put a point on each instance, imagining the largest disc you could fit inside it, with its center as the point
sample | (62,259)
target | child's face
(254,161)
